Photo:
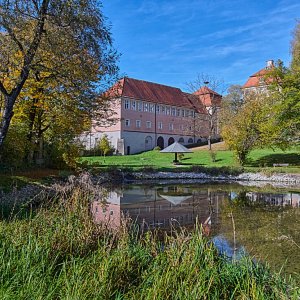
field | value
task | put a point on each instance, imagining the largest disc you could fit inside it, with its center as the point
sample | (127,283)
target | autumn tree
(248,128)
(55,59)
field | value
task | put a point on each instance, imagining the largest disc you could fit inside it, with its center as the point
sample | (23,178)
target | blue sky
(170,42)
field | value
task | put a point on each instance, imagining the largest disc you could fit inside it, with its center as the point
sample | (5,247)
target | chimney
(270,64)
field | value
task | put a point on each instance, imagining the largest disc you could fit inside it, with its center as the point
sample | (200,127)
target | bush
(213,155)
(15,147)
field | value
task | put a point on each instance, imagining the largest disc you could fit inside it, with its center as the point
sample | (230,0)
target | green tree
(246,129)
(53,42)
(105,146)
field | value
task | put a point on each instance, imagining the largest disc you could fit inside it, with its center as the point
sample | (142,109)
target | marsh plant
(60,253)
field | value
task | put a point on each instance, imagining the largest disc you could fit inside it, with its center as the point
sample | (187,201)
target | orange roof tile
(207,96)
(154,92)
(257,79)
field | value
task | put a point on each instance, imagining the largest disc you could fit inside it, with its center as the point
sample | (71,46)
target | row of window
(160,109)
(138,124)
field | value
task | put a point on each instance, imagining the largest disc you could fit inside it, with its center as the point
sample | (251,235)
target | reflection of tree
(270,233)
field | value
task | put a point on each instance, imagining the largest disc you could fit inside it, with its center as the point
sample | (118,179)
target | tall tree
(234,98)
(54,38)
(211,99)
(249,127)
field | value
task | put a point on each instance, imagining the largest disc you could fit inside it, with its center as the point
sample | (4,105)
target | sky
(172,41)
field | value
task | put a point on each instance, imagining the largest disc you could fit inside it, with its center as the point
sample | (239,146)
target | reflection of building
(160,207)
(151,114)
(283,199)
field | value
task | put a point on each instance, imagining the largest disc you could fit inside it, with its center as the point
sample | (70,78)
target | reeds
(60,253)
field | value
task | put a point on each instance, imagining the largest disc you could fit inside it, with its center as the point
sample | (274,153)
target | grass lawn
(259,160)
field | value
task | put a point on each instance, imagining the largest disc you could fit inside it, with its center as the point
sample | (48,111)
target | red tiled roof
(196,103)
(255,79)
(154,92)
(207,96)
(163,94)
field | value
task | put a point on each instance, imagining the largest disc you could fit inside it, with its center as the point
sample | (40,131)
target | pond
(261,222)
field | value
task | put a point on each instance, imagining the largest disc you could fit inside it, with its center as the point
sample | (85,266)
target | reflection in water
(160,207)
(265,225)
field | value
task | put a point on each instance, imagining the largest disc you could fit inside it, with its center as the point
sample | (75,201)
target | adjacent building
(150,114)
(259,81)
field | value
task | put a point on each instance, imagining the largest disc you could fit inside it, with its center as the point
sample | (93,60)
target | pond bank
(278,177)
(119,177)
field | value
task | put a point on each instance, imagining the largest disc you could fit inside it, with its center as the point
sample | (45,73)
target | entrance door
(170,141)
(160,142)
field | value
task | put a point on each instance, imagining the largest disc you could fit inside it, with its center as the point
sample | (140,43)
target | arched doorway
(160,142)
(148,143)
(170,141)
(190,140)
(181,140)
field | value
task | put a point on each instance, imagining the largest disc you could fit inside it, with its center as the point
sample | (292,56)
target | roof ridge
(173,87)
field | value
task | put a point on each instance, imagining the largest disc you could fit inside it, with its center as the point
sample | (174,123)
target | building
(258,82)
(150,114)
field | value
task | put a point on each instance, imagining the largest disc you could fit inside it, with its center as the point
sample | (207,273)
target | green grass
(261,159)
(59,253)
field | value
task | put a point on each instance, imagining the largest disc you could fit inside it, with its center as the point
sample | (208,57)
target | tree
(33,40)
(234,98)
(248,128)
(104,145)
(295,65)
(211,100)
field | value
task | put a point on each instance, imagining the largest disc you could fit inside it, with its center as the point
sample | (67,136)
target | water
(262,222)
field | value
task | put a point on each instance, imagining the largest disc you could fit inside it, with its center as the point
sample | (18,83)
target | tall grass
(60,253)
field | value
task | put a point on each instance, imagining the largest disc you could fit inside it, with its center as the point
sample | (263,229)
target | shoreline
(292,179)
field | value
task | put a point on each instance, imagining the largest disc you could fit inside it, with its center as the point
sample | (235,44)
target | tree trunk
(10,98)
(209,142)
(6,117)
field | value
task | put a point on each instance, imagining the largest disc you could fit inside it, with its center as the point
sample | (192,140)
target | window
(171,126)
(146,107)
(181,127)
(158,109)
(163,109)
(182,113)
(167,110)
(178,112)
(138,123)
(148,124)
(160,125)
(173,111)
(190,140)
(151,107)
(127,122)
(140,106)
(133,104)
(126,104)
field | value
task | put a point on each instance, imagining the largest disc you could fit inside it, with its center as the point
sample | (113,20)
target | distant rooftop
(257,79)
